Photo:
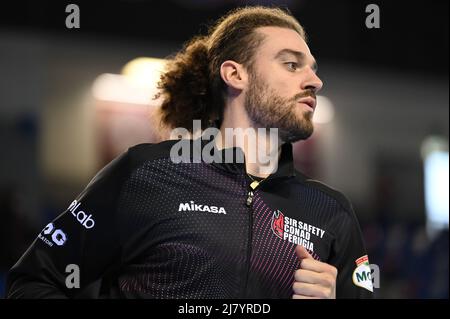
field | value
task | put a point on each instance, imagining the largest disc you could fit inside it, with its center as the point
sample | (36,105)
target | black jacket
(146,227)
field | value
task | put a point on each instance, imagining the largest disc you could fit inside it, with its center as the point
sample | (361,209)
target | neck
(261,149)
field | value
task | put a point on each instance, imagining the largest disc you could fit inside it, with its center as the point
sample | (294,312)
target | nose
(312,81)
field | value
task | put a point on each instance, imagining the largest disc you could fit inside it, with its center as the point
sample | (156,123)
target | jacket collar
(237,164)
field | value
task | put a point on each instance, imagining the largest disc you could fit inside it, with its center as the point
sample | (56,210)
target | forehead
(277,39)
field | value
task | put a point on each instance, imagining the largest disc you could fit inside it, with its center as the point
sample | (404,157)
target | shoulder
(123,165)
(337,206)
(145,152)
(331,193)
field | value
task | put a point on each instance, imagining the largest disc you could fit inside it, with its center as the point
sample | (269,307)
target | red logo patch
(278,223)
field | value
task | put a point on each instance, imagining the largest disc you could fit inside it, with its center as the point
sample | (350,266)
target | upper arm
(85,235)
(348,256)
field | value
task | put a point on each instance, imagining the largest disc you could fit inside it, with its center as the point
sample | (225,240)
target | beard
(266,109)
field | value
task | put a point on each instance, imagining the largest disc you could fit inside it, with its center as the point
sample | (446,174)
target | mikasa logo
(82,217)
(192,207)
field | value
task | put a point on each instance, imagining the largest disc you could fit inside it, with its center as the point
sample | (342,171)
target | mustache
(306,93)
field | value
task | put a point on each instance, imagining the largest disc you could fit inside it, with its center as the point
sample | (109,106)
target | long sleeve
(349,256)
(85,235)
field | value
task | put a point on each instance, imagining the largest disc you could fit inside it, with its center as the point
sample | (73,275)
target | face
(282,85)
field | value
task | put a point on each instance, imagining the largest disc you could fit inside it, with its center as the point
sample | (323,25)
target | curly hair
(192,87)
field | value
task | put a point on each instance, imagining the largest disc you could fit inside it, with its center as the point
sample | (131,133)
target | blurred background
(73,99)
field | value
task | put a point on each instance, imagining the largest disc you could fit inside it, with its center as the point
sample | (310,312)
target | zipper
(249,203)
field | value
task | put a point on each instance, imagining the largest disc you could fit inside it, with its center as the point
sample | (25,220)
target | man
(147,227)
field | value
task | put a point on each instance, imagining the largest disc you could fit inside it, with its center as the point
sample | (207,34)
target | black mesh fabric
(184,230)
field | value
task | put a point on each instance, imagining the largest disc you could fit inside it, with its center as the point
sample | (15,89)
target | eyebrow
(298,54)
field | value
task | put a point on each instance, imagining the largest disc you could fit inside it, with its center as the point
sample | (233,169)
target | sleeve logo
(362,275)
(57,236)
(83,218)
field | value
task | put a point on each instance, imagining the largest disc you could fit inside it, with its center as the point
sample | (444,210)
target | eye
(292,66)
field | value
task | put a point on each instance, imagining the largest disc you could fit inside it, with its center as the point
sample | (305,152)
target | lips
(311,102)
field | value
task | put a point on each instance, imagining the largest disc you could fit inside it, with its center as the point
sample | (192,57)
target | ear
(234,75)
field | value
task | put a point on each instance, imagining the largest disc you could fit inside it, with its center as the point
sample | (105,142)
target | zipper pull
(254,184)
(249,198)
